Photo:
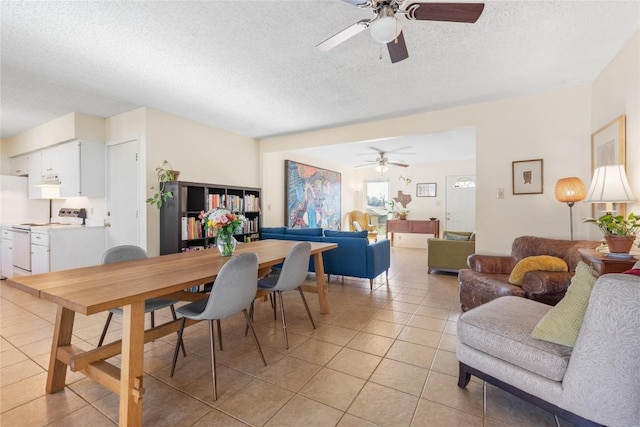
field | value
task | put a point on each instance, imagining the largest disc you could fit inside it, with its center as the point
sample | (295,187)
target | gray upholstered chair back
(294,269)
(234,288)
(123,253)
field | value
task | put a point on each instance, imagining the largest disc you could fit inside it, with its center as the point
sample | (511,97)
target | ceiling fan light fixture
(381,168)
(386,28)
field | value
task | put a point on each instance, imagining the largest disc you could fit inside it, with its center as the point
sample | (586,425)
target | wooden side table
(604,264)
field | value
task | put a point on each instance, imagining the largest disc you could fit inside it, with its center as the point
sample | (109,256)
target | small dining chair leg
(175,353)
(213,360)
(284,321)
(104,330)
(173,313)
(274,304)
(219,334)
(246,327)
(255,337)
(304,300)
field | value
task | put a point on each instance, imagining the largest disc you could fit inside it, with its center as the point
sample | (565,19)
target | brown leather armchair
(364,219)
(487,277)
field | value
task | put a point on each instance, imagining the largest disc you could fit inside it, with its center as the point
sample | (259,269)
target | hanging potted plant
(619,232)
(165,173)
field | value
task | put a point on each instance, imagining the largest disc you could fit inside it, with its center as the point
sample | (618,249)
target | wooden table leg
(131,388)
(322,290)
(61,337)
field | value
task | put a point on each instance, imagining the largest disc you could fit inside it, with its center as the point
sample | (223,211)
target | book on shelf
(251,203)
(215,201)
(191,228)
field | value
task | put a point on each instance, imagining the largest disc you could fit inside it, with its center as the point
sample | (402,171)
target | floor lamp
(570,190)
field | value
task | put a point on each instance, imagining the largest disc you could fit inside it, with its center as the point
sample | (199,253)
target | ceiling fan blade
(358,3)
(365,165)
(397,163)
(343,35)
(399,149)
(451,12)
(397,49)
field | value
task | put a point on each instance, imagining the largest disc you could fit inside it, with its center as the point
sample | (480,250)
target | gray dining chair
(233,291)
(291,276)
(128,253)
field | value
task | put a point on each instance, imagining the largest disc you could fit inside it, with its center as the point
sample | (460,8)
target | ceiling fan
(385,28)
(382,161)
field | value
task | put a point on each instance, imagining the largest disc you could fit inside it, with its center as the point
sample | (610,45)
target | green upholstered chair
(450,253)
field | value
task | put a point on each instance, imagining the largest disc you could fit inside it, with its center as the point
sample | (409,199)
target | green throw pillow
(562,323)
(536,263)
(451,236)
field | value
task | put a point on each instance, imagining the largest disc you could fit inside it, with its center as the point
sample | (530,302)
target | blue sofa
(353,257)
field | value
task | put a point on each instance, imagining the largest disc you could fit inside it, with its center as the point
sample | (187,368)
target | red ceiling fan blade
(398,49)
(451,12)
(343,35)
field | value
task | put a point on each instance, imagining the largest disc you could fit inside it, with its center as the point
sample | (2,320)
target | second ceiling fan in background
(385,28)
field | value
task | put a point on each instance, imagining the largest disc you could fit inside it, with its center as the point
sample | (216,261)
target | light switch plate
(500,193)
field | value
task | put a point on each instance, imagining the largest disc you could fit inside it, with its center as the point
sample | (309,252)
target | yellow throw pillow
(562,323)
(536,263)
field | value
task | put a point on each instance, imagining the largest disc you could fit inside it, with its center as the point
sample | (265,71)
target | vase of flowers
(619,232)
(224,223)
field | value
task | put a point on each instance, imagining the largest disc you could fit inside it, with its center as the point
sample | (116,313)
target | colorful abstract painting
(312,197)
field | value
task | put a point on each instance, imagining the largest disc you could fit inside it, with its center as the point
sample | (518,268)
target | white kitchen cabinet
(20,165)
(78,166)
(7,254)
(35,175)
(40,259)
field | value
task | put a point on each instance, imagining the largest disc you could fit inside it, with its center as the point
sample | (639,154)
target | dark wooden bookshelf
(179,228)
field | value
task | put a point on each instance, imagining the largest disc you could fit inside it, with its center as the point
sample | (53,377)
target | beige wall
(553,126)
(616,91)
(65,128)
(273,184)
(201,154)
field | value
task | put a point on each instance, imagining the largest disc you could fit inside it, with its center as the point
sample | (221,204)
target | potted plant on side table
(619,232)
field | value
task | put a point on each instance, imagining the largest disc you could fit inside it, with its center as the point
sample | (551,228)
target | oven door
(21,250)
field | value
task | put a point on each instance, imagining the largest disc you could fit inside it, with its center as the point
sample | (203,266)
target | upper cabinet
(20,165)
(71,169)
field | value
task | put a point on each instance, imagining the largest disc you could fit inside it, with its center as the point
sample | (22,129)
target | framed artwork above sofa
(312,196)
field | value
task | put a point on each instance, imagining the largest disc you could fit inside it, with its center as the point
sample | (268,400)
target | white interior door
(461,203)
(123,194)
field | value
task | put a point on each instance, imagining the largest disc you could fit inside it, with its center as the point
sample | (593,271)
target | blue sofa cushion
(273,230)
(358,234)
(303,231)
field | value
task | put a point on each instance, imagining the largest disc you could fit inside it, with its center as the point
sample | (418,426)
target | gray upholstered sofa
(595,383)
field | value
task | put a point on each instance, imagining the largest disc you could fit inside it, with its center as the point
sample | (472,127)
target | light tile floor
(385,357)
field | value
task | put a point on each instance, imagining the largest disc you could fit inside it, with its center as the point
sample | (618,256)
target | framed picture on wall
(527,176)
(426,189)
(608,148)
(312,196)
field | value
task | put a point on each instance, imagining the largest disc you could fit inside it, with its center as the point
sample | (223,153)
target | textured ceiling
(251,66)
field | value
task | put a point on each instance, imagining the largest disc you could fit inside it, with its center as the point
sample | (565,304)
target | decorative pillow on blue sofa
(304,231)
(333,233)
(273,230)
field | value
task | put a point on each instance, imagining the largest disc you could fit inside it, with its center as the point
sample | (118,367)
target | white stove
(53,246)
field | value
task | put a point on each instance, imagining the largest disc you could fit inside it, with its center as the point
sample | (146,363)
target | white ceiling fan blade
(344,35)
(397,163)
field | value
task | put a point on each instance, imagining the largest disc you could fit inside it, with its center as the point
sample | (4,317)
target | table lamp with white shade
(609,185)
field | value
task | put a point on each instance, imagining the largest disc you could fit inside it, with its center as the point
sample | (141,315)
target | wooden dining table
(128,284)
